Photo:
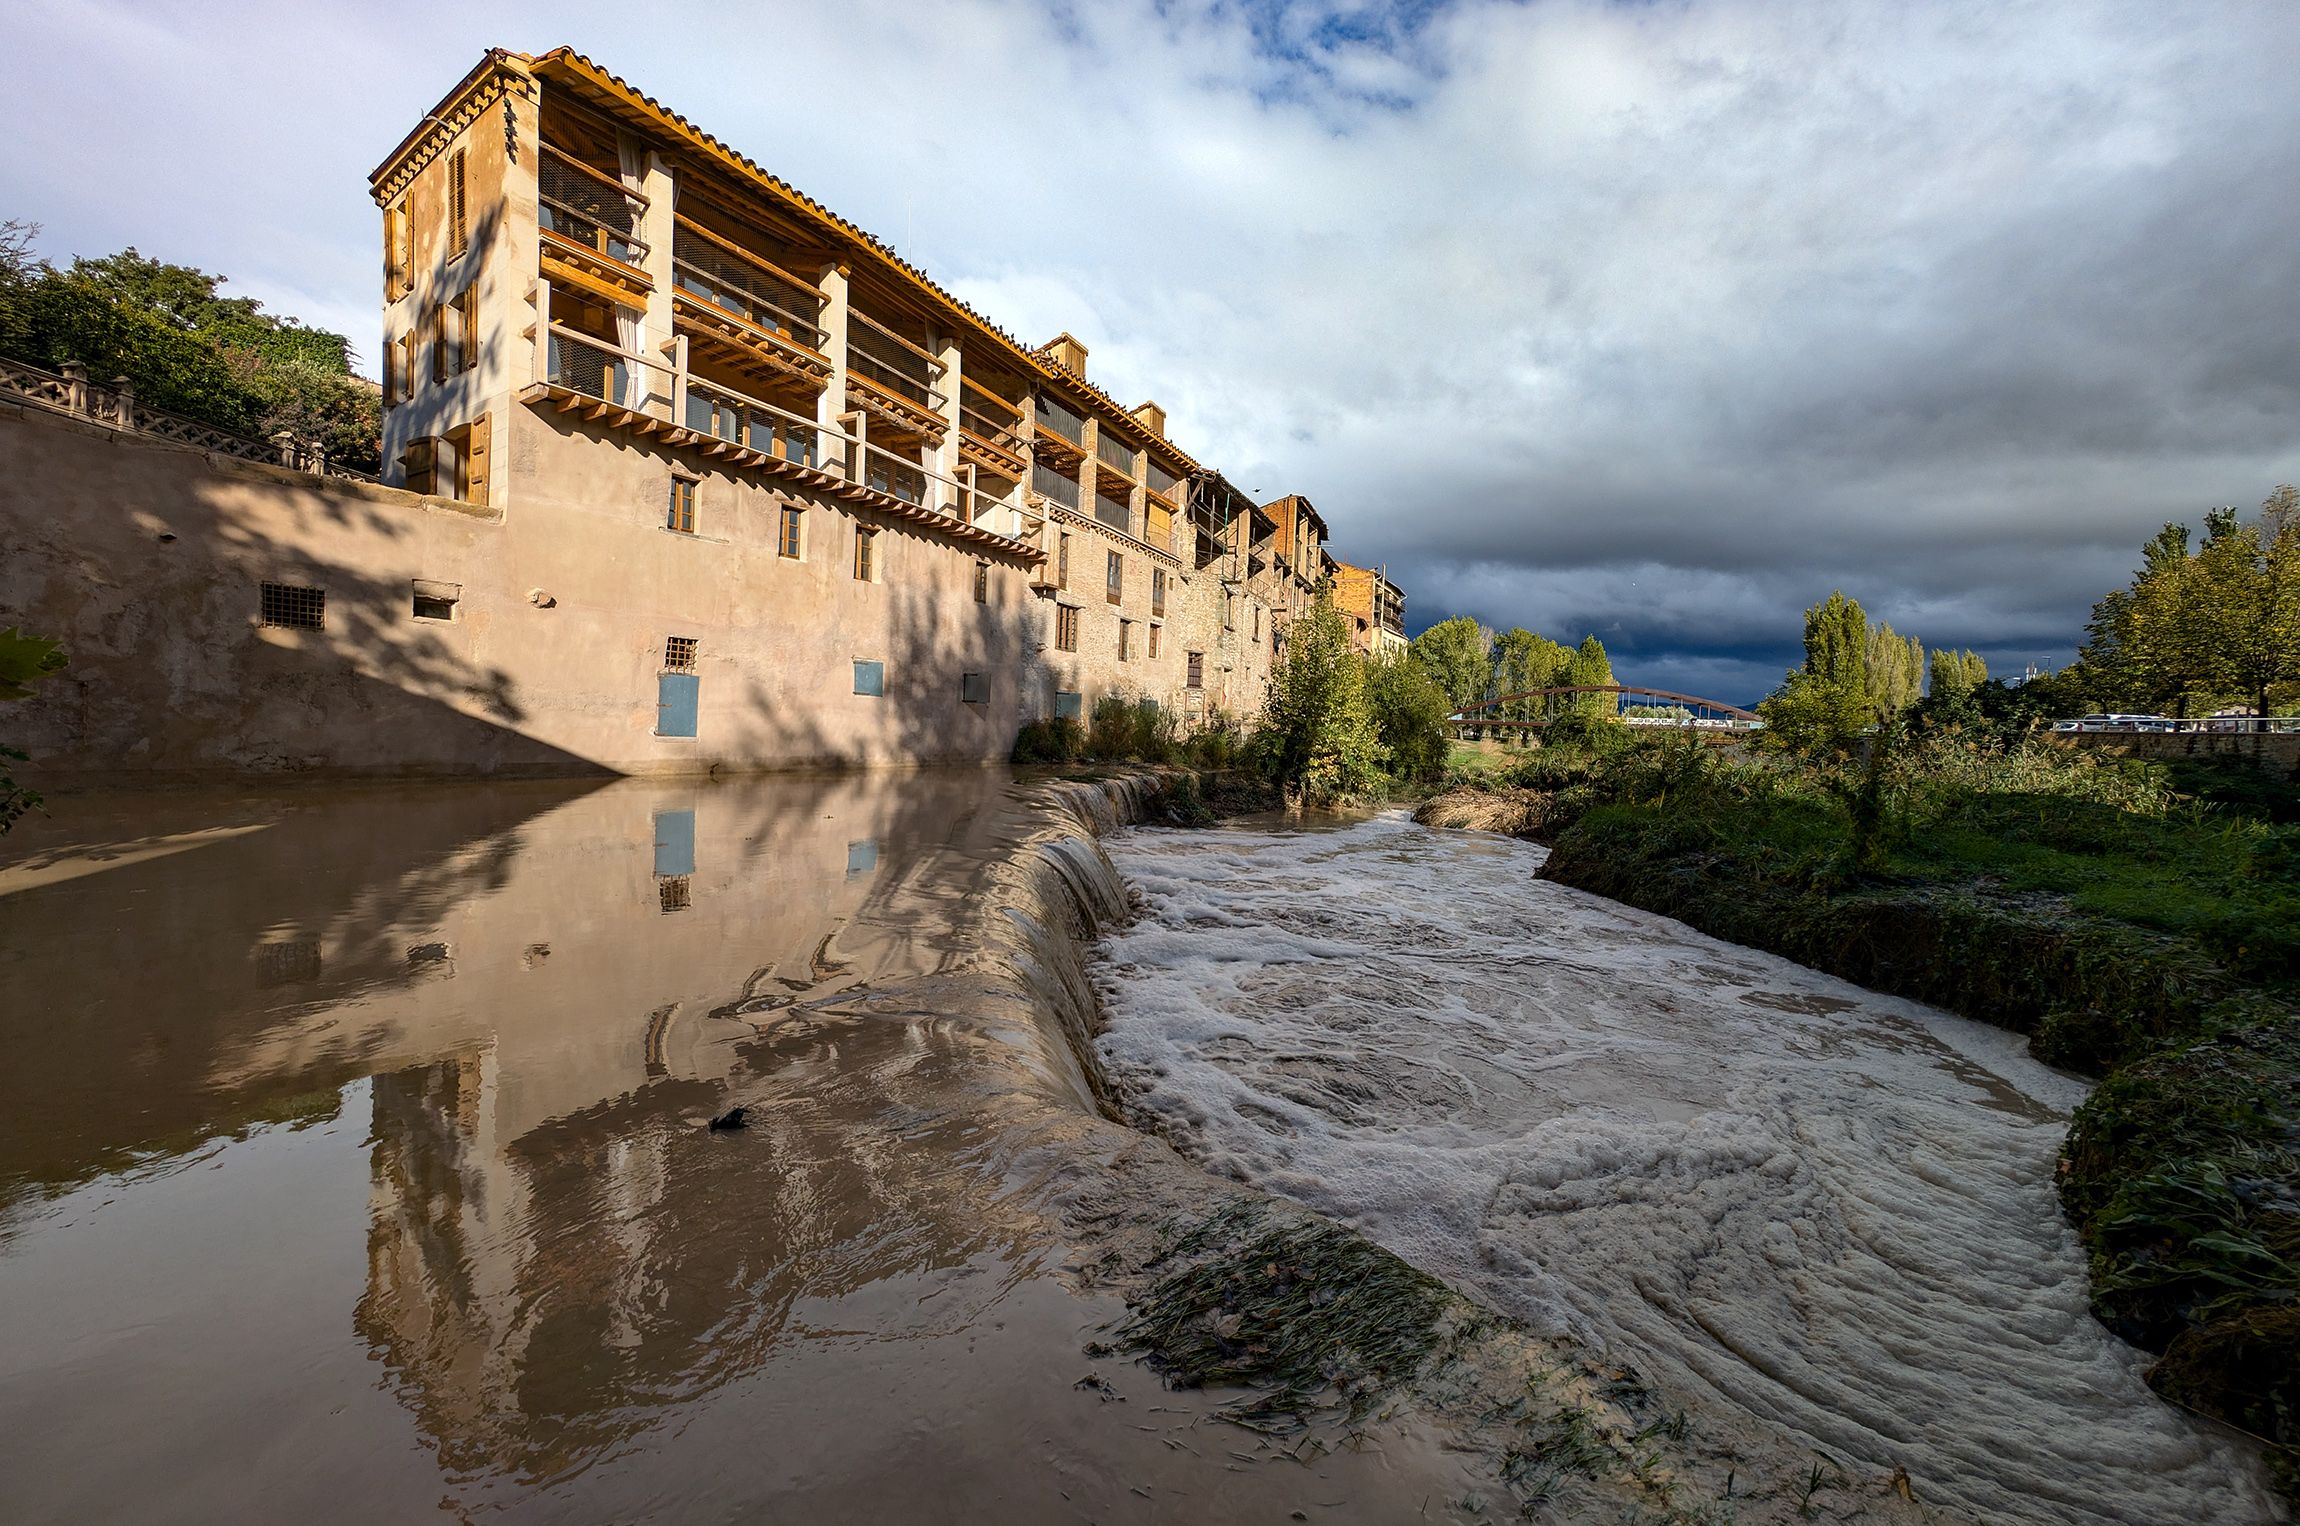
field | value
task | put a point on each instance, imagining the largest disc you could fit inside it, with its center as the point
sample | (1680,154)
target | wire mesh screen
(296,608)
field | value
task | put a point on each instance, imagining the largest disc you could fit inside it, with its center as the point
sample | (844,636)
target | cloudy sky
(1658,320)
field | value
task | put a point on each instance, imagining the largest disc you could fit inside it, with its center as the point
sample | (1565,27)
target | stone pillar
(945,348)
(77,374)
(124,401)
(833,402)
(661,189)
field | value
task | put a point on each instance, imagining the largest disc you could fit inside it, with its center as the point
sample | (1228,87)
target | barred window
(294,607)
(679,653)
(1066,627)
(674,893)
(981,582)
(1197,671)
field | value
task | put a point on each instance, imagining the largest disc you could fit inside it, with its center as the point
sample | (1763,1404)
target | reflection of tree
(541,1300)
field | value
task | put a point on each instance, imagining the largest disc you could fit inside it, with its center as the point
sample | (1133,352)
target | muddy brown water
(353,1168)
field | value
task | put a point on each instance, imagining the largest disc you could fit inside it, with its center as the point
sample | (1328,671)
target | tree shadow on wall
(159,604)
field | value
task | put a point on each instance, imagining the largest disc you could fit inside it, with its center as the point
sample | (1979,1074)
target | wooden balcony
(743,309)
(894,380)
(589,230)
(990,430)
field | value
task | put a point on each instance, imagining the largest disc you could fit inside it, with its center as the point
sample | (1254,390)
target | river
(353,1164)
(1779,1196)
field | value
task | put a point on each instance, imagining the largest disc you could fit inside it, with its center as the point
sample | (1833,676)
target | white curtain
(631,325)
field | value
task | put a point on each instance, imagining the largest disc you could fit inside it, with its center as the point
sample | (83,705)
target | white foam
(1770,1189)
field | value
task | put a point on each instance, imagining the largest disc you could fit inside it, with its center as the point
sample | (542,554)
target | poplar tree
(1459,655)
(1590,667)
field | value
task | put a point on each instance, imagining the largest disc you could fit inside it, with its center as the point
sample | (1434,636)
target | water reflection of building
(556,1247)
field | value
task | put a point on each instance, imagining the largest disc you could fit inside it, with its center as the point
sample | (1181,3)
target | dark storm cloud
(1654,320)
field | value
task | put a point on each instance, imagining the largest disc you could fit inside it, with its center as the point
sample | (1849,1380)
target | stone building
(683,472)
(1374,606)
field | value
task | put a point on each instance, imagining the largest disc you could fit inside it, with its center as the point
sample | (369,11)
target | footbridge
(1533,709)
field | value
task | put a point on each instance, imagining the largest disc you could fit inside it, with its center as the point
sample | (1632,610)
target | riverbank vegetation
(1338,725)
(2140,921)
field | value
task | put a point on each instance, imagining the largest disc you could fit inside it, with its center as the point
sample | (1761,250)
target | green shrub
(1056,740)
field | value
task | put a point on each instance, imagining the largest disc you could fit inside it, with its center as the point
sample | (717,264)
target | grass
(2139,922)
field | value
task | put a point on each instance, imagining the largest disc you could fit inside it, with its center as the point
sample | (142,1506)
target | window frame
(1066,628)
(877,672)
(790,534)
(680,514)
(1125,640)
(458,222)
(284,606)
(1114,579)
(866,563)
(982,580)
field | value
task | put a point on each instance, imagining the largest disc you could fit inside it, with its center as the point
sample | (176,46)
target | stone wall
(2276,751)
(147,560)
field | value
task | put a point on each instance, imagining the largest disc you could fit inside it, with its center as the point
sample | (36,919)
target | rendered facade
(683,472)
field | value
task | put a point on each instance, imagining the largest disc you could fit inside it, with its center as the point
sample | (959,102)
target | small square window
(974,688)
(294,607)
(870,678)
(682,515)
(435,601)
(679,653)
(1069,705)
(674,893)
(793,522)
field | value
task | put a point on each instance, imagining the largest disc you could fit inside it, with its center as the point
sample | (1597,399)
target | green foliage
(1956,674)
(1896,670)
(1132,731)
(24,662)
(2203,624)
(1318,733)
(185,348)
(1459,655)
(1523,660)
(1409,715)
(1055,739)
(1590,667)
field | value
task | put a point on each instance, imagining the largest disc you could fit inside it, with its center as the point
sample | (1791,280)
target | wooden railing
(753,289)
(1115,454)
(584,206)
(72,393)
(893,362)
(1058,420)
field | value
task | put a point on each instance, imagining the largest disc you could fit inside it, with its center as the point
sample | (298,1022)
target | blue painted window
(674,843)
(1069,705)
(870,677)
(862,857)
(678,699)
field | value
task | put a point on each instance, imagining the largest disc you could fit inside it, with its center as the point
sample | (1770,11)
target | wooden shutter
(422,460)
(439,344)
(467,324)
(458,231)
(475,461)
(390,372)
(1160,530)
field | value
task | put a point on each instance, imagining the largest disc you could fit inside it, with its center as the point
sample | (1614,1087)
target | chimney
(1151,417)
(1066,352)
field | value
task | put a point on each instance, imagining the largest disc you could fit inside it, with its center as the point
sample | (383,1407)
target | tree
(185,347)
(1956,674)
(1409,715)
(1459,655)
(1896,670)
(2243,594)
(1523,661)
(1589,667)
(1827,702)
(1319,735)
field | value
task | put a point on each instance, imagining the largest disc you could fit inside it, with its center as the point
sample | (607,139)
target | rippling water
(1767,1189)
